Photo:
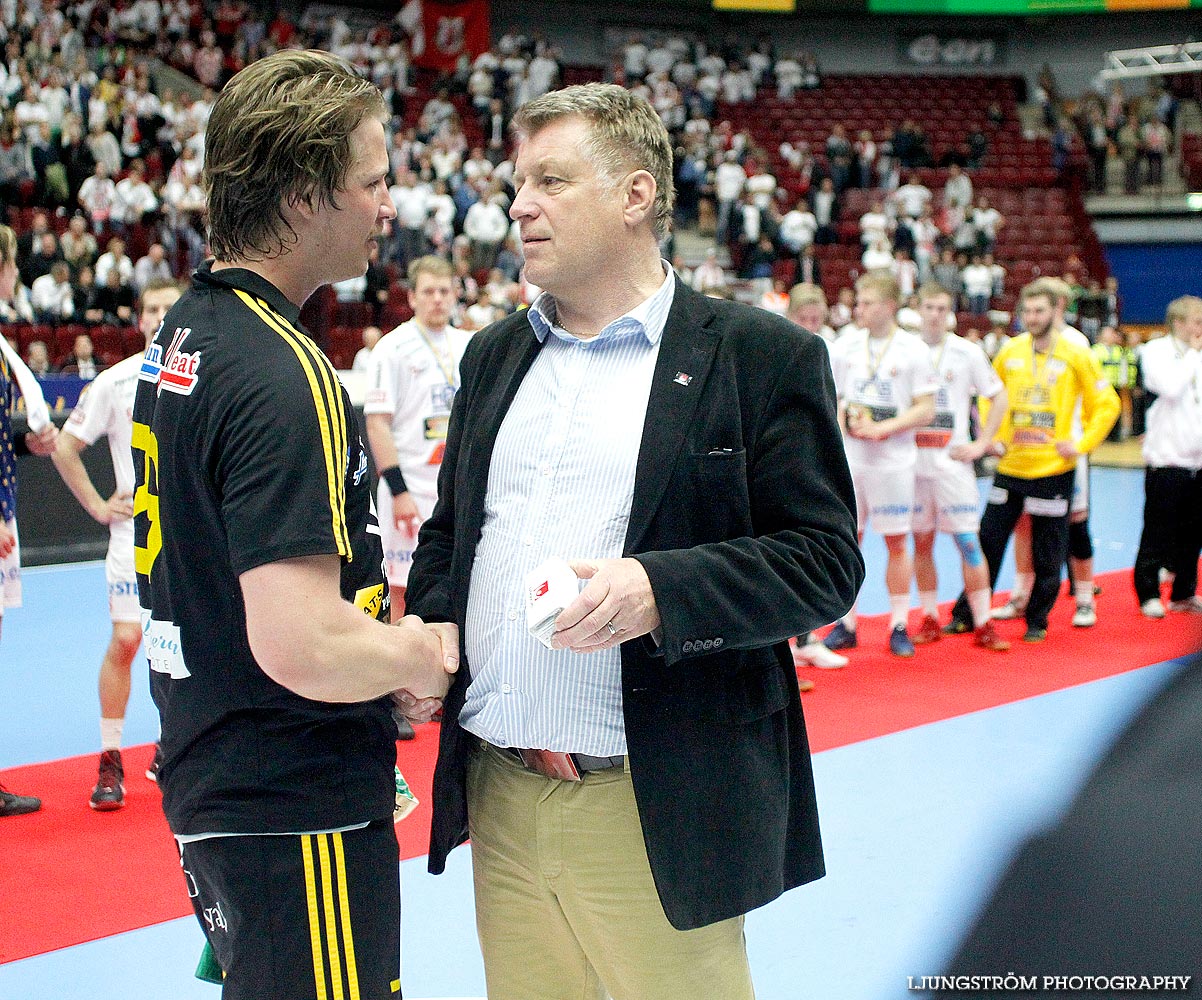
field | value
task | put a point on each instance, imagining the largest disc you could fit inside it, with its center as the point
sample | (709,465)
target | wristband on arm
(396,482)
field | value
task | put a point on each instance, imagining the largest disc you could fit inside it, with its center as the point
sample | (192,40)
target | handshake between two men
(616,604)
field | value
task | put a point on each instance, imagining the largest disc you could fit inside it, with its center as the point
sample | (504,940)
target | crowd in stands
(100,168)
(1131,136)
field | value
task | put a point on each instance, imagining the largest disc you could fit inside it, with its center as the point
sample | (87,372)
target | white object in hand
(550,588)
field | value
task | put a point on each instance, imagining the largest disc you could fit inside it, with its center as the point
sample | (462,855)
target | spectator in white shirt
(134,200)
(788,77)
(411,199)
(905,271)
(729,181)
(986,220)
(878,255)
(761,186)
(709,275)
(874,225)
(978,286)
(797,228)
(957,192)
(486,226)
(51,295)
(912,197)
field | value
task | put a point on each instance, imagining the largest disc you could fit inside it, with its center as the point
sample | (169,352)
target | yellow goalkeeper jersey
(1043,390)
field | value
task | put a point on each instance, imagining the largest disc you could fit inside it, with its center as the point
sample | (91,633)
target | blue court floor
(916,825)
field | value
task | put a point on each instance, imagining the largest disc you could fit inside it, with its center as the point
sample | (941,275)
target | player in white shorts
(413,376)
(39,440)
(945,488)
(105,409)
(807,308)
(1080,544)
(886,388)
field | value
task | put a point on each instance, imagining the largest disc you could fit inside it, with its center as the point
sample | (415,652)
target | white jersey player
(105,409)
(945,488)
(886,388)
(807,308)
(412,379)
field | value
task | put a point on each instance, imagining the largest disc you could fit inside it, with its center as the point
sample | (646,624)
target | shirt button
(528,540)
(546,470)
(513,616)
(506,688)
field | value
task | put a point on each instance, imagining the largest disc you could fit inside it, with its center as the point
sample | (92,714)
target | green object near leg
(207,968)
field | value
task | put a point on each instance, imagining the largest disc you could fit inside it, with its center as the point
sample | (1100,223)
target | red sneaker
(928,631)
(987,638)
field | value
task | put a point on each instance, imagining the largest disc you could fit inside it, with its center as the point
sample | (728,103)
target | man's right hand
(437,648)
(118,507)
(404,513)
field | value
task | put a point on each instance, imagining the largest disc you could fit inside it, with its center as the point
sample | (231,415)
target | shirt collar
(248,281)
(647,318)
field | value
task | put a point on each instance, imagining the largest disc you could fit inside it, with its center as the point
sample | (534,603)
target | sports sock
(849,620)
(110,733)
(930,602)
(979,600)
(899,609)
(1083,590)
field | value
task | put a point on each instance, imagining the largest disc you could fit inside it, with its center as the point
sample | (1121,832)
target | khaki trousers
(565,903)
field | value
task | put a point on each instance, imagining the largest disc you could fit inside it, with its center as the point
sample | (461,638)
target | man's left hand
(43,442)
(870,430)
(1067,449)
(616,605)
(971,451)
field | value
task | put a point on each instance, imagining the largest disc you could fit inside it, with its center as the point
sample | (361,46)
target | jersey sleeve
(984,380)
(92,414)
(282,464)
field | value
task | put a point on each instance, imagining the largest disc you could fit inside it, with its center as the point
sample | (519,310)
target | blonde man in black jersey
(258,556)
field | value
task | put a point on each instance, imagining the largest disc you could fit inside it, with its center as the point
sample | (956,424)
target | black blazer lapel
(686,354)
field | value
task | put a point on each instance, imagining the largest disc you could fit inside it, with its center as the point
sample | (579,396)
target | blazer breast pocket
(721,475)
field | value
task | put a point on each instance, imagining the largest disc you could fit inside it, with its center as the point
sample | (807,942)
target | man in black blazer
(629,803)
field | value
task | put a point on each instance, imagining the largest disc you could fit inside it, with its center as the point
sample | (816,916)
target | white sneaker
(1190,604)
(1086,616)
(817,655)
(1013,608)
(1152,608)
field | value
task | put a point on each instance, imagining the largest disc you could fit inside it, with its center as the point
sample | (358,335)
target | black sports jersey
(245,453)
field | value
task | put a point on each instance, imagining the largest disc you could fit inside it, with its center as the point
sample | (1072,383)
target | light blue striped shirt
(560,484)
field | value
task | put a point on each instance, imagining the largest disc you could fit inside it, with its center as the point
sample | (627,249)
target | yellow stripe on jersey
(327,401)
(395,986)
(327,894)
(319,968)
(344,907)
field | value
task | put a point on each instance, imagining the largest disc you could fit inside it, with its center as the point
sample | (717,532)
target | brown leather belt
(559,765)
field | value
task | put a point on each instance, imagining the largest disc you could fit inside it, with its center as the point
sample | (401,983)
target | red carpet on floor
(69,875)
